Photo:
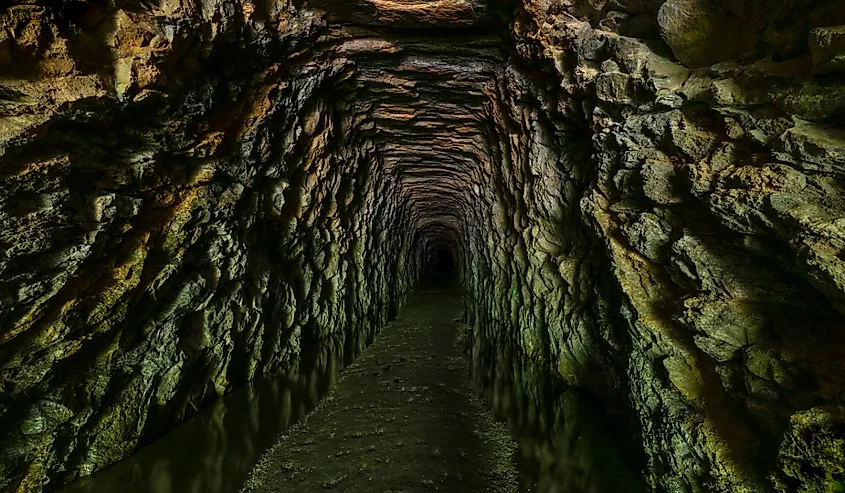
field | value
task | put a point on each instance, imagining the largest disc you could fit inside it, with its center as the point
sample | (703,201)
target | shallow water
(214,451)
(562,445)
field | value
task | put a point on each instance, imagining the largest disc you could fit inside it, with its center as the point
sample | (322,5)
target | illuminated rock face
(645,196)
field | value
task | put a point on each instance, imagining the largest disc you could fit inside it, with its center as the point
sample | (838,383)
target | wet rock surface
(645,198)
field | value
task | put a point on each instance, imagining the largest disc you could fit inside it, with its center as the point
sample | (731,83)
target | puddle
(563,445)
(214,451)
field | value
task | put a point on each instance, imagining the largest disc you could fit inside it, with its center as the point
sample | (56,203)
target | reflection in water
(562,446)
(214,451)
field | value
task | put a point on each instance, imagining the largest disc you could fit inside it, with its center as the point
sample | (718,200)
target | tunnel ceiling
(424,77)
(418,14)
(645,197)
(424,106)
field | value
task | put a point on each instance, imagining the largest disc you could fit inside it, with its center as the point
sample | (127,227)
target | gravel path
(402,418)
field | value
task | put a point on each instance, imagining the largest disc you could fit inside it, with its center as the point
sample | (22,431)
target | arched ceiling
(416,13)
(423,100)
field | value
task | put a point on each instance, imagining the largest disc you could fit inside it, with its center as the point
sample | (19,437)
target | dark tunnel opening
(443,263)
(441,267)
(439,254)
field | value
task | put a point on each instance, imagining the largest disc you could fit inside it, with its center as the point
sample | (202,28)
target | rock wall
(194,210)
(662,225)
(643,196)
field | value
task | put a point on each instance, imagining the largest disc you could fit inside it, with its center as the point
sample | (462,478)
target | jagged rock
(191,192)
(810,453)
(814,147)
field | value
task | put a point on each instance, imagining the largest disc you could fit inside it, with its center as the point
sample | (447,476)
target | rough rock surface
(644,196)
(207,209)
(671,236)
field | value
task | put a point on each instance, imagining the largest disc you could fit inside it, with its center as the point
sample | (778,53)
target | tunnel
(454,245)
(443,263)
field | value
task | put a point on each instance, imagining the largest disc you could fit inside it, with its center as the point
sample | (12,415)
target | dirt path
(402,418)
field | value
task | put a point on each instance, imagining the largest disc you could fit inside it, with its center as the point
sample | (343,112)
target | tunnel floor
(403,417)
(429,405)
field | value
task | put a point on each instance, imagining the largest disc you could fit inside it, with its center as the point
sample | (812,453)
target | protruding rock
(827,49)
(699,32)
